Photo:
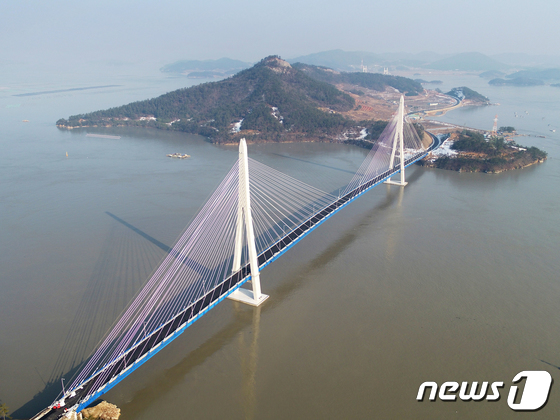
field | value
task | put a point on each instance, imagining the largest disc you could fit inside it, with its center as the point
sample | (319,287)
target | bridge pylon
(398,141)
(245,229)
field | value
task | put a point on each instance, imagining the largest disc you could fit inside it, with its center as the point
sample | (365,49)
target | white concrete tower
(244,219)
(398,140)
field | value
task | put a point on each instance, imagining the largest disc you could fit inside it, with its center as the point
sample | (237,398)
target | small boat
(178,156)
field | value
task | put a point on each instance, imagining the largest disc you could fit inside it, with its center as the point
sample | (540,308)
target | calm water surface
(454,278)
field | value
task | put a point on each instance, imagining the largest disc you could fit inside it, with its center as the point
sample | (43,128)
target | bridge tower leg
(398,140)
(244,219)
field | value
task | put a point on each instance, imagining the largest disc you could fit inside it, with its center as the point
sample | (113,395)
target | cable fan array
(198,271)
(203,257)
(378,159)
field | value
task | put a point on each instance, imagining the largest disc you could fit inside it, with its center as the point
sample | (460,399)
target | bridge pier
(398,139)
(252,297)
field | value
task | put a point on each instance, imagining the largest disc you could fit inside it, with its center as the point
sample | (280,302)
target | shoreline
(460,170)
(460,162)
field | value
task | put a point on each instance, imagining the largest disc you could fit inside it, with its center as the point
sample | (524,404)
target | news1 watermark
(533,397)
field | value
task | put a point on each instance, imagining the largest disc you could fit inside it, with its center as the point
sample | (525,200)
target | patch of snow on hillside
(237,126)
(276,114)
(444,149)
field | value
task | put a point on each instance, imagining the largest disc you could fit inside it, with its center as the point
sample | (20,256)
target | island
(531,77)
(271,101)
(275,101)
(518,81)
(507,130)
(429,82)
(464,93)
(538,74)
(206,69)
(469,151)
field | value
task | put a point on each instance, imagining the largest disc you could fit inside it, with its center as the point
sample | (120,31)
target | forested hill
(374,81)
(466,93)
(270,100)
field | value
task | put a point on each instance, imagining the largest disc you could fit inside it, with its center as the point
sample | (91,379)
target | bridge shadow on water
(246,317)
(160,245)
(127,258)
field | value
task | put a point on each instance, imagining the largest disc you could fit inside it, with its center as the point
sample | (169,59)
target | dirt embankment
(102,411)
(374,105)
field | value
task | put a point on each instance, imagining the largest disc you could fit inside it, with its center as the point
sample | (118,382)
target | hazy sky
(164,30)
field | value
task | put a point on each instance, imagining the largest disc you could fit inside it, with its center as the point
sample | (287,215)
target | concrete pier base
(246,296)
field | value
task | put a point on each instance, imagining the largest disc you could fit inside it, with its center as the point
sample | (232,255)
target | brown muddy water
(454,278)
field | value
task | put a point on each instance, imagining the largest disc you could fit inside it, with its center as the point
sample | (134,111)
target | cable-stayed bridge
(255,215)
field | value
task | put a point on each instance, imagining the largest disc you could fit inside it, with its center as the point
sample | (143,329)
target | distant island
(519,81)
(431,82)
(271,101)
(363,60)
(205,69)
(544,75)
(527,78)
(469,151)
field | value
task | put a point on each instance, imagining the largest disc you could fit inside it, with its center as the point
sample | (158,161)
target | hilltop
(271,101)
(271,98)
